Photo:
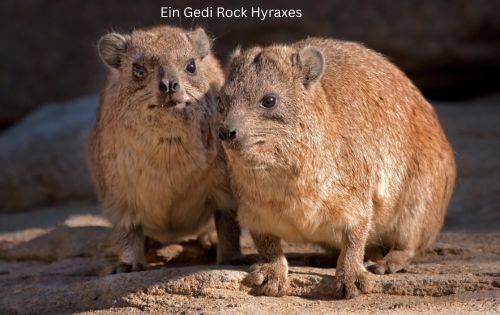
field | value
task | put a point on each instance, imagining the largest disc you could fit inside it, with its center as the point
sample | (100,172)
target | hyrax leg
(421,217)
(403,241)
(394,261)
(270,276)
(130,243)
(351,276)
(228,235)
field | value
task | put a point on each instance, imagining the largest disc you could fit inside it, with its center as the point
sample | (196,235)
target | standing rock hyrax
(329,142)
(154,154)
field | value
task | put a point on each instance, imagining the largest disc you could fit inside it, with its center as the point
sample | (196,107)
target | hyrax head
(268,99)
(156,75)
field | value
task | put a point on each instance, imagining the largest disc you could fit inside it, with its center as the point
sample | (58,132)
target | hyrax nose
(171,86)
(227,133)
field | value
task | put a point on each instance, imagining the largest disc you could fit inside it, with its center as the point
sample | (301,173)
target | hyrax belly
(173,220)
(167,203)
(294,217)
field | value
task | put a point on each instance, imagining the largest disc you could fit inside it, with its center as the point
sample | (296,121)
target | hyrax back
(329,142)
(154,154)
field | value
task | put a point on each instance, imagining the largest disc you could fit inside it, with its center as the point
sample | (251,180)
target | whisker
(142,97)
(188,92)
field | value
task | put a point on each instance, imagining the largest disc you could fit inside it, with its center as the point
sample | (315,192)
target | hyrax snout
(328,142)
(154,154)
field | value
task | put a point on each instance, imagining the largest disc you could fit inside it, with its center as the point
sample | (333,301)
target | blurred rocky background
(450,49)
(50,76)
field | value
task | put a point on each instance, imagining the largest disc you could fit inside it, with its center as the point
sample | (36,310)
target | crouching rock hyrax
(154,154)
(329,142)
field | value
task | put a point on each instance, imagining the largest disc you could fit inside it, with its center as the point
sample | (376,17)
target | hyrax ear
(231,64)
(112,47)
(312,64)
(201,42)
(235,54)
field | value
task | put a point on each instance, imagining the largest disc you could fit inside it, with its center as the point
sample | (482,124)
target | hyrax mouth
(180,105)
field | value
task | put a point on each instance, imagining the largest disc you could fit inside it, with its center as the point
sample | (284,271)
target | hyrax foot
(130,244)
(123,267)
(393,262)
(383,267)
(349,285)
(268,278)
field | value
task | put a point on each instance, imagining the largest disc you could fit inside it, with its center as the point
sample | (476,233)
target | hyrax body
(329,142)
(154,154)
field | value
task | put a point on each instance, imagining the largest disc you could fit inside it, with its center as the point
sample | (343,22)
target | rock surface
(49,48)
(43,156)
(461,274)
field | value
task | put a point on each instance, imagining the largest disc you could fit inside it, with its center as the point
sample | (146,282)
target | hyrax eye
(138,71)
(191,66)
(269,101)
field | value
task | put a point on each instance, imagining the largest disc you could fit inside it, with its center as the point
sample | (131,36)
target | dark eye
(138,71)
(269,101)
(191,67)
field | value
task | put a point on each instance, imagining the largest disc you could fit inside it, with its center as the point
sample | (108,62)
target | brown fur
(154,155)
(352,157)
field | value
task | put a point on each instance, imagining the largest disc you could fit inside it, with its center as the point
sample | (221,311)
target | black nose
(169,87)
(225,133)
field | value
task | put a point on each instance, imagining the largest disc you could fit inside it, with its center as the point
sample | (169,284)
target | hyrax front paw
(384,268)
(347,285)
(268,278)
(394,261)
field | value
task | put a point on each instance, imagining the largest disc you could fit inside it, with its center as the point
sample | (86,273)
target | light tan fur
(352,157)
(154,155)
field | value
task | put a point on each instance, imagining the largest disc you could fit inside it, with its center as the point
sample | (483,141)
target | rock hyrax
(154,154)
(328,142)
